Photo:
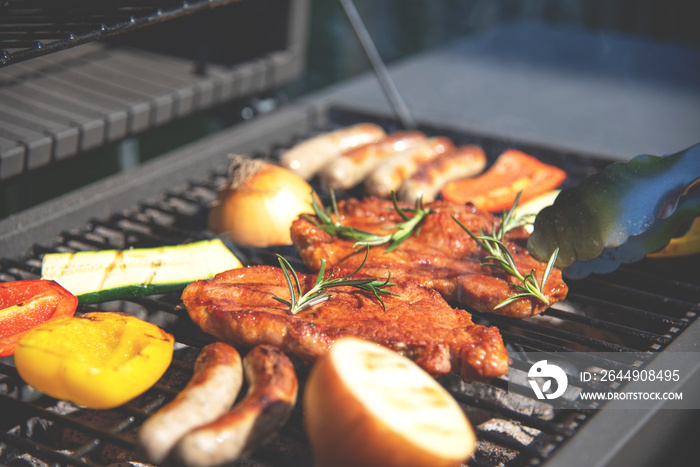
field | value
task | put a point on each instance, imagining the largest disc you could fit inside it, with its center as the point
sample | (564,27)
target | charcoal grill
(648,308)
(635,309)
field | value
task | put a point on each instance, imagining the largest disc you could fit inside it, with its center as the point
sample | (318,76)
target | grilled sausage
(354,165)
(390,174)
(254,420)
(426,182)
(309,156)
(217,380)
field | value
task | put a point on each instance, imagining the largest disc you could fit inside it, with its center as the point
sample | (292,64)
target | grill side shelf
(79,94)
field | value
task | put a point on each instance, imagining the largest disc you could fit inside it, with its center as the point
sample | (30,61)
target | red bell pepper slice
(496,189)
(26,304)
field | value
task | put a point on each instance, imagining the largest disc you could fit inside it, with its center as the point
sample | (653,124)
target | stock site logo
(547,372)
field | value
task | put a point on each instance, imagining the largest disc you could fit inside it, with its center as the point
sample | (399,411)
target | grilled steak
(441,255)
(237,306)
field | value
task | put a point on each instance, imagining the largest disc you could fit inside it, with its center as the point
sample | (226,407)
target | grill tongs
(387,83)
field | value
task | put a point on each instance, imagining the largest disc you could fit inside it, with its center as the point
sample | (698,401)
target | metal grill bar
(636,314)
(562,335)
(602,324)
(660,284)
(30,410)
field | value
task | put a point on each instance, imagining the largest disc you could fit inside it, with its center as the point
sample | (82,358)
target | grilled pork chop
(237,307)
(441,255)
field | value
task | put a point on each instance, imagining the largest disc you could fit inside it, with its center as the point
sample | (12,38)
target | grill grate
(31,28)
(618,313)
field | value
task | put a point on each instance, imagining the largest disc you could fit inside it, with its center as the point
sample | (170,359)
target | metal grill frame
(45,223)
(32,28)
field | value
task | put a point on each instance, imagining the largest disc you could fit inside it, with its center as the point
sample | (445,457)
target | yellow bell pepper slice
(688,244)
(98,360)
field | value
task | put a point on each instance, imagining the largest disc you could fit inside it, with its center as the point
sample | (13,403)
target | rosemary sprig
(318,293)
(499,256)
(363,238)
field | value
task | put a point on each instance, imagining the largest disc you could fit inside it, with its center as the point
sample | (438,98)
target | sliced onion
(260,203)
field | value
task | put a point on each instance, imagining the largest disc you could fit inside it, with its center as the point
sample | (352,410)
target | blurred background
(400,29)
(404,27)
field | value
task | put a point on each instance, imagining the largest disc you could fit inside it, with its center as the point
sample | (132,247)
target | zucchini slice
(98,276)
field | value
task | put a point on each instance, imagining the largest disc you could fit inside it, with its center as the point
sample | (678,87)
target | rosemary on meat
(318,293)
(499,256)
(363,238)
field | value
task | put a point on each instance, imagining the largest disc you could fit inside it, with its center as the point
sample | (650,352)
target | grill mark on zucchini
(136,272)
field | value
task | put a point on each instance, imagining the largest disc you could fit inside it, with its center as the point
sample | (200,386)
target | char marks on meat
(441,255)
(237,306)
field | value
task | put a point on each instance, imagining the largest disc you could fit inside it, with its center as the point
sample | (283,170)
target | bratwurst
(426,182)
(217,380)
(353,166)
(271,396)
(309,156)
(394,171)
